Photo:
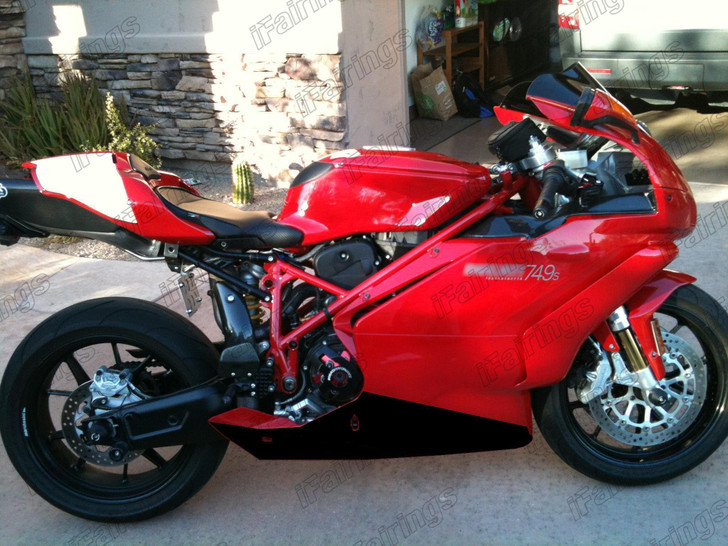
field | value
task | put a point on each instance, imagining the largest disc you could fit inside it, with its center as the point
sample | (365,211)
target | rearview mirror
(597,107)
(582,106)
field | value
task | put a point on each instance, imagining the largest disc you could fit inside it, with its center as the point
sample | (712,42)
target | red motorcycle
(403,303)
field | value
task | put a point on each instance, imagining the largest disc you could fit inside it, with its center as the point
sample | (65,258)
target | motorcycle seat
(237,229)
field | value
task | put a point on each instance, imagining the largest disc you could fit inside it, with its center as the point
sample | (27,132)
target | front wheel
(143,350)
(620,437)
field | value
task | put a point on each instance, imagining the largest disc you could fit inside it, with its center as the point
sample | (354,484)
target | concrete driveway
(525,496)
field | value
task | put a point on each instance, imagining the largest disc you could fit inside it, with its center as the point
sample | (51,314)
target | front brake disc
(624,413)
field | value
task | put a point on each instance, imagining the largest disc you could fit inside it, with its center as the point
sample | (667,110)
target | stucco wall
(184,26)
(413,10)
(373,68)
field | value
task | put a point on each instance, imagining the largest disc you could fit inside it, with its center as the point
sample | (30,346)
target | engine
(332,372)
(396,244)
(331,378)
(347,263)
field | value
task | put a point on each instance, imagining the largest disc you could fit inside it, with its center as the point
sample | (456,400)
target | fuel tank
(369,191)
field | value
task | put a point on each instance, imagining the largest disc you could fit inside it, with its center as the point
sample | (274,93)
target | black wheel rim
(608,449)
(68,368)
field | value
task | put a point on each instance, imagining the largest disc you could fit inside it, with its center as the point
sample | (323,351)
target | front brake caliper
(598,380)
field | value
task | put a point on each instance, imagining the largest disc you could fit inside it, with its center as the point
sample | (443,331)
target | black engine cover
(346,264)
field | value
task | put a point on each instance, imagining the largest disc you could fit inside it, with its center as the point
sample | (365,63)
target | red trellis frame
(284,347)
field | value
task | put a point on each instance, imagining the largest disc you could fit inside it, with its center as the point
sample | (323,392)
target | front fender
(644,304)
(642,307)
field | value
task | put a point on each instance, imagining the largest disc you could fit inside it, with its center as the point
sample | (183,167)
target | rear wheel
(46,393)
(620,437)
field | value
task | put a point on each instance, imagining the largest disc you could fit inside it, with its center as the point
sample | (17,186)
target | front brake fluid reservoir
(574,159)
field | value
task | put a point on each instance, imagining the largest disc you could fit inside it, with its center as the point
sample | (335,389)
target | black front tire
(557,412)
(170,354)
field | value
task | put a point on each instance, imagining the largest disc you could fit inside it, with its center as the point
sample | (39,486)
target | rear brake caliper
(83,425)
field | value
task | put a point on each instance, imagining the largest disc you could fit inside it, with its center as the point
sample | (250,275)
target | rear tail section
(19,204)
(108,196)
(26,212)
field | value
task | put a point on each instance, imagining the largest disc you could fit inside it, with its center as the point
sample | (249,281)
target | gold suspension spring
(255,309)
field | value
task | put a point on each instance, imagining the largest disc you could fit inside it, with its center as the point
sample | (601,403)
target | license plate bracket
(189,292)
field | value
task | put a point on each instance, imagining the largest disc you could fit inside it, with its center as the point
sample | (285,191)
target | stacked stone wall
(12,31)
(277,112)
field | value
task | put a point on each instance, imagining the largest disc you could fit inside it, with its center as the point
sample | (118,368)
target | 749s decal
(513,272)
(3,191)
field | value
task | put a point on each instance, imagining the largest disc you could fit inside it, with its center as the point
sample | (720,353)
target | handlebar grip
(553,182)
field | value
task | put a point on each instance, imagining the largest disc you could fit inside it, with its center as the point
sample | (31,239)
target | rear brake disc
(73,414)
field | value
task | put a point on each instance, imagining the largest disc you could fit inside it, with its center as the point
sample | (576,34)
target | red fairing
(464,338)
(664,173)
(378,190)
(250,418)
(134,205)
(505,115)
(154,219)
(645,303)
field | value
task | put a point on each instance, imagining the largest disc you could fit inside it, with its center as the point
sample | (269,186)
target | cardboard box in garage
(433,95)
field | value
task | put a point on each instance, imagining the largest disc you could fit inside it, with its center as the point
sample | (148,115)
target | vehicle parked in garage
(653,49)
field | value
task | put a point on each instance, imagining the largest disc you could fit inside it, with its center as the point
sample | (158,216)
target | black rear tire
(557,412)
(170,354)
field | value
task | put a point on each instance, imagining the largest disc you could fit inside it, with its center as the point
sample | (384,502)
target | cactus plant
(243,188)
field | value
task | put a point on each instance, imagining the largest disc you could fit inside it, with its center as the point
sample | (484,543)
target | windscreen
(575,98)
(565,87)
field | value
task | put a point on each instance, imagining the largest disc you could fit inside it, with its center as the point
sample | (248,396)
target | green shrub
(126,137)
(86,124)
(33,128)
(29,127)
